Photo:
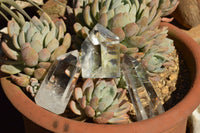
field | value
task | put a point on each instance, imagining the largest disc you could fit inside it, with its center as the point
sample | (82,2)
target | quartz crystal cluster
(100,54)
(140,88)
(101,59)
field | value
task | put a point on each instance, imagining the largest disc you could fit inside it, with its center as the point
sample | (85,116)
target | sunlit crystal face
(140,89)
(57,87)
(100,54)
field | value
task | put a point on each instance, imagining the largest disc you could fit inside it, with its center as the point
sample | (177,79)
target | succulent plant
(136,22)
(168,6)
(102,101)
(35,43)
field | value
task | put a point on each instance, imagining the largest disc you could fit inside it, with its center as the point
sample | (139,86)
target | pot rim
(58,123)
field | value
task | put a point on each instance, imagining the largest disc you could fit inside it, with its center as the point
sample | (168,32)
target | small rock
(188,13)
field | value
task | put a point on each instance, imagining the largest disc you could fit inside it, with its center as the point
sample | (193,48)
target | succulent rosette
(102,101)
(34,44)
(136,22)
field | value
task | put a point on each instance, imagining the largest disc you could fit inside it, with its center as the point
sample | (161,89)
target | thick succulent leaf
(48,38)
(89,111)
(77,28)
(145,13)
(78,93)
(99,88)
(29,56)
(153,62)
(37,22)
(45,23)
(37,36)
(26,26)
(123,109)
(53,29)
(37,45)
(84,32)
(60,33)
(31,31)
(45,65)
(9,52)
(136,41)
(173,6)
(122,9)
(143,24)
(13,28)
(107,96)
(58,51)
(61,23)
(23,75)
(114,107)
(119,120)
(148,35)
(148,45)
(15,41)
(21,38)
(121,19)
(45,17)
(44,32)
(153,12)
(95,9)
(167,43)
(107,4)
(104,117)
(74,107)
(29,71)
(52,45)
(155,23)
(88,88)
(103,10)
(94,102)
(40,73)
(87,16)
(103,20)
(10,69)
(44,55)
(78,14)
(21,81)
(110,14)
(119,32)
(105,103)
(131,29)
(83,102)
(67,41)
(133,12)
(25,45)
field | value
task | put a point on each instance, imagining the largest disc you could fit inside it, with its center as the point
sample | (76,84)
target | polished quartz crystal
(58,85)
(100,54)
(143,96)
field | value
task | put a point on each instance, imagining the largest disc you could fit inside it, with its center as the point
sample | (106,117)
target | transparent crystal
(143,96)
(100,54)
(58,85)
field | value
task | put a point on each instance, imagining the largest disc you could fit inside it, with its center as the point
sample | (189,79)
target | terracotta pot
(174,120)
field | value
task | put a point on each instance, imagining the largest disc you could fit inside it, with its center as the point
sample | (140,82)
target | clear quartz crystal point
(58,85)
(143,96)
(100,54)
